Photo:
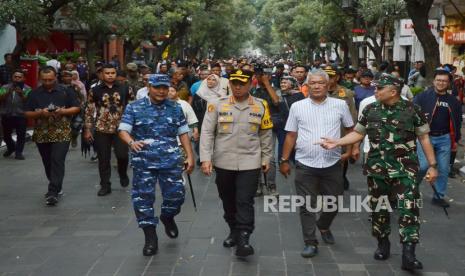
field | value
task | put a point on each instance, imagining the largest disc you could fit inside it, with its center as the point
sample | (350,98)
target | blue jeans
(442,149)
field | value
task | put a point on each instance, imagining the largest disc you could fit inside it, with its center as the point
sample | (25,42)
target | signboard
(455,37)
(406,27)
(359,38)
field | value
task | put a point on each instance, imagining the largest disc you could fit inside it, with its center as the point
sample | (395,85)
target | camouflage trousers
(405,191)
(143,193)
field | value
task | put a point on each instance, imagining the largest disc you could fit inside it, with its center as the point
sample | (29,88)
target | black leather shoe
(309,251)
(19,157)
(384,249)
(124,182)
(230,240)
(8,153)
(151,241)
(104,191)
(327,237)
(171,229)
(243,248)
(51,200)
(409,261)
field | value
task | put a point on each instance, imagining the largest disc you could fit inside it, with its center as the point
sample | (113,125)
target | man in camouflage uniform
(337,91)
(393,125)
(134,79)
(150,127)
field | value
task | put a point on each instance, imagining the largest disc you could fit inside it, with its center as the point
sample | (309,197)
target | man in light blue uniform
(150,127)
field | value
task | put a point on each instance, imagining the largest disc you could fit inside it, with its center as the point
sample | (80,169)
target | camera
(52,108)
(260,69)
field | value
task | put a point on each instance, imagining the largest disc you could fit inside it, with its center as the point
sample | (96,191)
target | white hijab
(213,93)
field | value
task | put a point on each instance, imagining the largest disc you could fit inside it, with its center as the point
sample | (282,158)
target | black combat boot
(171,229)
(230,240)
(383,250)
(409,261)
(243,248)
(151,241)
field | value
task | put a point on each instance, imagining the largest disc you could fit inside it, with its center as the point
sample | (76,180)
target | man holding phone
(236,141)
(52,106)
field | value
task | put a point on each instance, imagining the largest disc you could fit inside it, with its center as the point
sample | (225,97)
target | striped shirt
(312,121)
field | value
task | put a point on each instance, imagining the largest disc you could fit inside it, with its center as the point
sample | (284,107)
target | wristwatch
(283,160)
(130,143)
(434,166)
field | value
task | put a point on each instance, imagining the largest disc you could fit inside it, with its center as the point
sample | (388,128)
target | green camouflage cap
(387,79)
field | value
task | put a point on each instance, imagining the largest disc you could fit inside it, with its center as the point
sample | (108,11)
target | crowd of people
(245,119)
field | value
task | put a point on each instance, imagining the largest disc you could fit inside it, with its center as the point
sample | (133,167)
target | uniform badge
(211,108)
(255,108)
(342,93)
(253,128)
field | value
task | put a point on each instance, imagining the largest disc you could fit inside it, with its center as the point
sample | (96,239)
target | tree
(418,11)
(31,18)
(379,18)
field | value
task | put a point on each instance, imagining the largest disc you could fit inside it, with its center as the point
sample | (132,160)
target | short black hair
(48,69)
(108,66)
(300,65)
(7,55)
(182,64)
(216,65)
(442,72)
(18,70)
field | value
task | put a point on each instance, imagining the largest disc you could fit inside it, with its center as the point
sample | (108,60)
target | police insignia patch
(211,108)
(342,93)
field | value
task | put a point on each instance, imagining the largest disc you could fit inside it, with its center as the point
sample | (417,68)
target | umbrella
(192,191)
(85,146)
(437,195)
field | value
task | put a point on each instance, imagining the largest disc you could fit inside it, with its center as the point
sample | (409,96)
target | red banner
(455,37)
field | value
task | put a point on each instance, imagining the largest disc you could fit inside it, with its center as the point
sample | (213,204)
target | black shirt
(60,96)
(441,117)
(50,130)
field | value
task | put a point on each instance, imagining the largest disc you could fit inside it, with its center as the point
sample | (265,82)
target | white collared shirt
(312,121)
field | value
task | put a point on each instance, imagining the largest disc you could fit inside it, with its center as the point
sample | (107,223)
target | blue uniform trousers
(143,193)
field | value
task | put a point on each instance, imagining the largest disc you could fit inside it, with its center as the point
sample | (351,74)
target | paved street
(87,235)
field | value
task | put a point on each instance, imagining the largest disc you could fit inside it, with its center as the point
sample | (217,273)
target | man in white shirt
(318,172)
(144,91)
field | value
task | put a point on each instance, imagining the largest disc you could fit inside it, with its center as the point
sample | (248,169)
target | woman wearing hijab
(76,81)
(212,88)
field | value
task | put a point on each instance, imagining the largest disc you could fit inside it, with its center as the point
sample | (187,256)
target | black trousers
(103,143)
(314,182)
(237,190)
(53,157)
(18,124)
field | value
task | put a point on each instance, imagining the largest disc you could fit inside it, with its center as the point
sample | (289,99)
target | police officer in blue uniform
(150,126)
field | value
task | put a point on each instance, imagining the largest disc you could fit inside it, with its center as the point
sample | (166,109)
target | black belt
(438,133)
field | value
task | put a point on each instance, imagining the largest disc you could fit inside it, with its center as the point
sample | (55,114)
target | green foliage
(26,15)
(416,90)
